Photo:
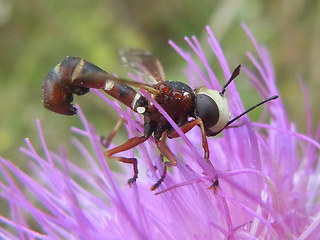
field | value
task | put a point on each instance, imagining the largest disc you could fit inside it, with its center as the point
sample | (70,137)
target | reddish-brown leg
(105,141)
(215,184)
(166,152)
(186,128)
(163,176)
(164,173)
(131,143)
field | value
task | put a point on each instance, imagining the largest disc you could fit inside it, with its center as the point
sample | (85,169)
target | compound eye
(212,108)
(207,110)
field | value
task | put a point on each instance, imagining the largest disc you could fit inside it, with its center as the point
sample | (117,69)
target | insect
(203,107)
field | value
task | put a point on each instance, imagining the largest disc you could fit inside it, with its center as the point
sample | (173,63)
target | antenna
(245,112)
(250,109)
(235,73)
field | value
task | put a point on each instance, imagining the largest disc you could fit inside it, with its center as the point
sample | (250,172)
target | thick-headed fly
(203,107)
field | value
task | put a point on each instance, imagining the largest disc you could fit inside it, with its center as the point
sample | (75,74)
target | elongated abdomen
(60,84)
(74,75)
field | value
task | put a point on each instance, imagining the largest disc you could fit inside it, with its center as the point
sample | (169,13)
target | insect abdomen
(126,95)
(73,75)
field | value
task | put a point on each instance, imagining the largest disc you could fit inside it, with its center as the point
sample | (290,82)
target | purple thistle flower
(268,176)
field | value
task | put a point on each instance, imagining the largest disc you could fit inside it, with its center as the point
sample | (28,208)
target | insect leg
(163,176)
(131,143)
(105,141)
(186,128)
(164,173)
(214,185)
(166,152)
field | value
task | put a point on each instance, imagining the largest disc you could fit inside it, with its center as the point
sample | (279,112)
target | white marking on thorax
(153,96)
(141,109)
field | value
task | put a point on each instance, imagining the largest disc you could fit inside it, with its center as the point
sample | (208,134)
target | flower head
(268,176)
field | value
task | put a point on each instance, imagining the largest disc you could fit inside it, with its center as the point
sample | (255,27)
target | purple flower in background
(268,173)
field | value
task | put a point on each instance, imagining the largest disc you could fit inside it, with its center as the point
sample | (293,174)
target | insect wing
(144,63)
(101,79)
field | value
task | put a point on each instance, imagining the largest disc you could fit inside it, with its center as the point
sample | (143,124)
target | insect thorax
(176,98)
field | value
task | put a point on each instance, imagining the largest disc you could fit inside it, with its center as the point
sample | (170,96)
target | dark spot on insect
(124,91)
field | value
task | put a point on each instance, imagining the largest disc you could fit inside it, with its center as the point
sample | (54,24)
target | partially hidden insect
(203,107)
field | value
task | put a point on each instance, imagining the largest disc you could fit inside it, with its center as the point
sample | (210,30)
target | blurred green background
(36,34)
